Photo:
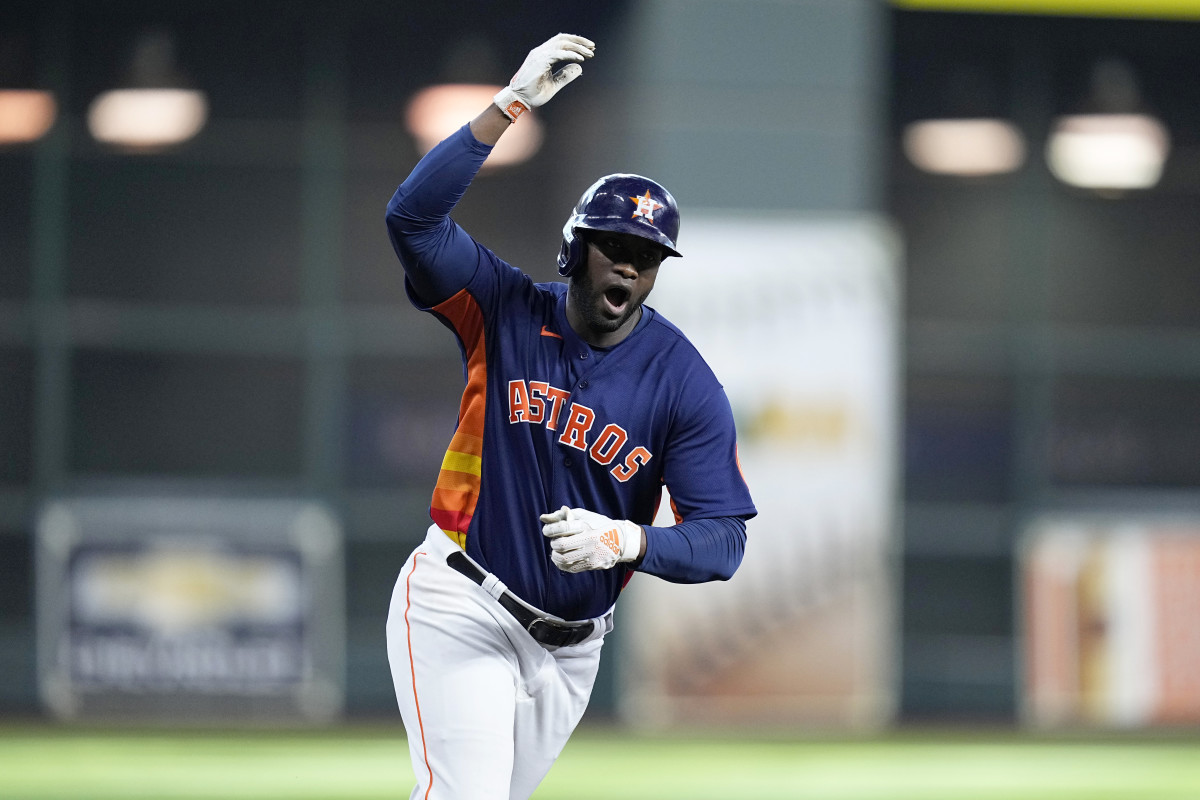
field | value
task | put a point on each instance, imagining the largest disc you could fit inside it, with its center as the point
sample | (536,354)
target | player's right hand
(536,81)
(582,540)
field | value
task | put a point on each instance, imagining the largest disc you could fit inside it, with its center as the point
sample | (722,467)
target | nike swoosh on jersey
(547,332)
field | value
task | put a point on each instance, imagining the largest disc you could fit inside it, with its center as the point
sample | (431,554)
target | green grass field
(49,763)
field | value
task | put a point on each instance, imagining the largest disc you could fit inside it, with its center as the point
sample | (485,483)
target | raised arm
(439,258)
(490,125)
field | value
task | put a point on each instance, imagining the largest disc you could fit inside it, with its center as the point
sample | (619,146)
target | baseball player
(580,404)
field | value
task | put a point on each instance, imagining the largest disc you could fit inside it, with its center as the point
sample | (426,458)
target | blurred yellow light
(438,111)
(1108,151)
(1158,9)
(147,118)
(968,147)
(25,115)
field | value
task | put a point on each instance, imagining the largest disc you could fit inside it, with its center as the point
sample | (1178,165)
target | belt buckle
(548,633)
(544,632)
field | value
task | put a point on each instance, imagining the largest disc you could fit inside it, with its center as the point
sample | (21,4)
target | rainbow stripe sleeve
(457,489)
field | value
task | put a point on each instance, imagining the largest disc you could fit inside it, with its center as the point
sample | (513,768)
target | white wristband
(509,104)
(631,540)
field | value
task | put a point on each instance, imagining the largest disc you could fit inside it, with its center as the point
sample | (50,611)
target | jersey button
(583,384)
(567,462)
(583,355)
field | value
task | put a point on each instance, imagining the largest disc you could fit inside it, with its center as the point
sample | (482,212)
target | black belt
(552,632)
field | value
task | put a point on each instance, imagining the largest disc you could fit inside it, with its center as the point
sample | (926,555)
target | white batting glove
(535,83)
(583,539)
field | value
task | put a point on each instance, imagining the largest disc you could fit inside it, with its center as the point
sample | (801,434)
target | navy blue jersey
(545,420)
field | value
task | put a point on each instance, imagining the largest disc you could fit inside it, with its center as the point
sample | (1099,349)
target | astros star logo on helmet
(646,206)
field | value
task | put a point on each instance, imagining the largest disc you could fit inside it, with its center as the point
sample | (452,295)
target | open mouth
(616,297)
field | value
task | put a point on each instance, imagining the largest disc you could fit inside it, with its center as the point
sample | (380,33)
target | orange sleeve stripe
(451,499)
(471,411)
(464,314)
(467,443)
(738,460)
(457,491)
(456,483)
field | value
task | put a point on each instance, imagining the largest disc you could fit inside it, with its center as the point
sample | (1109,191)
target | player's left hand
(584,540)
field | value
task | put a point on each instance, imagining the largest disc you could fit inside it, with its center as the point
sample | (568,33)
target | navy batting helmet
(622,203)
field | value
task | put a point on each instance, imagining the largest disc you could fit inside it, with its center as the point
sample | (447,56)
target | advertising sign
(1111,617)
(189,608)
(799,319)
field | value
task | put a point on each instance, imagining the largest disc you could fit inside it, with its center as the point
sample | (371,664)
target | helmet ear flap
(570,255)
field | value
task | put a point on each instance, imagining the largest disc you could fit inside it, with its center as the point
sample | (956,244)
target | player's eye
(650,257)
(613,250)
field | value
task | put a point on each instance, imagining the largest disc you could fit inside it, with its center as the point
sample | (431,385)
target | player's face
(605,297)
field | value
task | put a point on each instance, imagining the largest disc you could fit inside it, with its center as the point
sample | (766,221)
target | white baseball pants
(487,708)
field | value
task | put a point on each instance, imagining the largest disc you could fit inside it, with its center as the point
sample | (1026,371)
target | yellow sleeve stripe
(462,462)
(459,539)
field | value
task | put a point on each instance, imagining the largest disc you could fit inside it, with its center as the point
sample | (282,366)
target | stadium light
(155,108)
(965,147)
(27,112)
(437,111)
(26,115)
(1108,151)
(1114,143)
(965,133)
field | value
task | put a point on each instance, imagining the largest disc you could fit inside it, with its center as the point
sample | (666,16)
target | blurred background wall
(225,315)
